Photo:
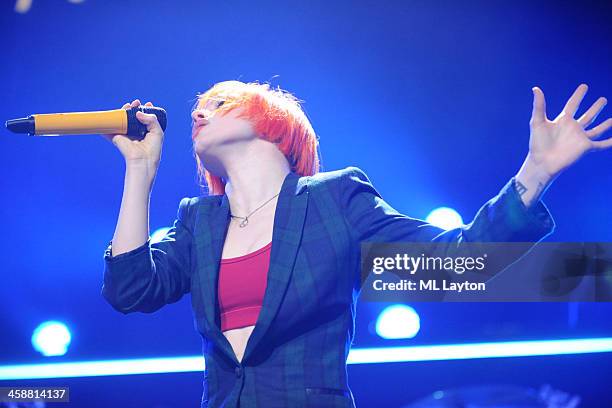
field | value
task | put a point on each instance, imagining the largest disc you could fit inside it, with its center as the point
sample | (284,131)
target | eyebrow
(214,99)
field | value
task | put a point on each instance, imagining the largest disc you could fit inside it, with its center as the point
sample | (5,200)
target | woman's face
(214,132)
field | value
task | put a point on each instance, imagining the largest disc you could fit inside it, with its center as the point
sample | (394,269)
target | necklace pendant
(244,223)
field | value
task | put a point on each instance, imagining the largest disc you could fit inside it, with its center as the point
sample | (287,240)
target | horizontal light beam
(356,356)
(479,350)
(102,368)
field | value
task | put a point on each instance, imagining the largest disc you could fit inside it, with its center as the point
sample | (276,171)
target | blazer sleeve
(154,274)
(504,218)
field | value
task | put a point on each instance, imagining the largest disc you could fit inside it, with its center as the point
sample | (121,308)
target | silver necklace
(245,220)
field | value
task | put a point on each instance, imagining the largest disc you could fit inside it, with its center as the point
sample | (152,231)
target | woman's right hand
(141,152)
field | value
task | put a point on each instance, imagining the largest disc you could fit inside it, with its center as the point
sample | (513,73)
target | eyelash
(221,102)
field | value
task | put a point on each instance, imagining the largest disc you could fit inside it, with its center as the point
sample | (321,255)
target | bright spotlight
(398,322)
(51,338)
(159,234)
(445,218)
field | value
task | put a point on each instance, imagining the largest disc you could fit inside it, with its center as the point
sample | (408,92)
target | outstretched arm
(516,214)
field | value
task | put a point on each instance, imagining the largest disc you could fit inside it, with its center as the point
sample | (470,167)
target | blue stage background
(435,96)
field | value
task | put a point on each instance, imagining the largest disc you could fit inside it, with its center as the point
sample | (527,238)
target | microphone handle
(118,121)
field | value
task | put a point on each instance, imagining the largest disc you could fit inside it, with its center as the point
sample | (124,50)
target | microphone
(117,121)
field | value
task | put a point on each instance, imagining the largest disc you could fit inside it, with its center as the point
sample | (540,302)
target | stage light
(23,6)
(356,356)
(51,338)
(445,218)
(104,368)
(479,350)
(159,234)
(398,322)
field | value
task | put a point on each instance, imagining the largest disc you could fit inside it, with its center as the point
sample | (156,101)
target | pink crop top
(242,284)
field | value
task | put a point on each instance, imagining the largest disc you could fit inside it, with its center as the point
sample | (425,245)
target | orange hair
(276,116)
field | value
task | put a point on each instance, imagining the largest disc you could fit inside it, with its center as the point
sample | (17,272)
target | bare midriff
(238,339)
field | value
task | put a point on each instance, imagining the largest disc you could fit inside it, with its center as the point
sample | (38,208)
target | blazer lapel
(213,221)
(288,226)
(286,237)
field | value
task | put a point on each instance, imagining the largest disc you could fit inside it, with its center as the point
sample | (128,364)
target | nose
(198,114)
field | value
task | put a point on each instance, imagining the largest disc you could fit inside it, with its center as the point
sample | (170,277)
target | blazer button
(238,371)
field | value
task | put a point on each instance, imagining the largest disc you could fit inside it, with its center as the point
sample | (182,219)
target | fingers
(602,144)
(127,105)
(574,101)
(599,129)
(591,114)
(538,114)
(135,103)
(149,120)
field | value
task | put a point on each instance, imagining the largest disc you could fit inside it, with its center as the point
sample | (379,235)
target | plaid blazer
(296,355)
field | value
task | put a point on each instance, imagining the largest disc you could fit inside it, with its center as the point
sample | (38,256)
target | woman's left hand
(556,145)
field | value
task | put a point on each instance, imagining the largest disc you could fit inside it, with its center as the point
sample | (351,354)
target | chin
(201,148)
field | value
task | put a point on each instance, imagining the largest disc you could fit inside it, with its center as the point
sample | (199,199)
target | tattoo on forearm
(520,188)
